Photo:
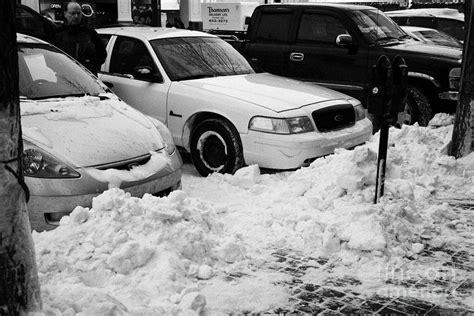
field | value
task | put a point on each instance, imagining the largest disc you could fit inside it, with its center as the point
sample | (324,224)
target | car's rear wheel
(216,147)
(417,108)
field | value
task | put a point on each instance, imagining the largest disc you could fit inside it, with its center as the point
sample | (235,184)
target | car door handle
(175,114)
(297,56)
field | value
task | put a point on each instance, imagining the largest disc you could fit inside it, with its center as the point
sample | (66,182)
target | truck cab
(335,45)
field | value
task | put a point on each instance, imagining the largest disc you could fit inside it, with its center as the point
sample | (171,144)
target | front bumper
(52,198)
(293,151)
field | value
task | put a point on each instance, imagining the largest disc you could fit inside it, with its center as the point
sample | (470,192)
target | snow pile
(145,254)
(173,255)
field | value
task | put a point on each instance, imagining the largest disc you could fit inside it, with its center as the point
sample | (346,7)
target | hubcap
(212,150)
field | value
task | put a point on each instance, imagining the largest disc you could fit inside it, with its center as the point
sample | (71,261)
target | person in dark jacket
(79,41)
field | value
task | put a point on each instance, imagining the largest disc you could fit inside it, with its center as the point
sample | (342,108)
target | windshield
(439,38)
(45,73)
(376,26)
(199,57)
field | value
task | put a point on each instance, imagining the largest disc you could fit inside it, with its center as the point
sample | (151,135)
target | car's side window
(30,24)
(320,28)
(451,27)
(274,26)
(105,38)
(423,22)
(129,55)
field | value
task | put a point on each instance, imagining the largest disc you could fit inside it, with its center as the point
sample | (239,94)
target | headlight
(295,125)
(455,78)
(358,109)
(39,164)
(170,147)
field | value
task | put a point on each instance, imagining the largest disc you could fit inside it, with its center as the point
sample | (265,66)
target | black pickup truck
(335,45)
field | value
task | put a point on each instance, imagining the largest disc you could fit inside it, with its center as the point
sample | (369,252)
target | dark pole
(19,283)
(156,13)
(463,132)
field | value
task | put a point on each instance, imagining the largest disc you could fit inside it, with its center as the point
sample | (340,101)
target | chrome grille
(334,117)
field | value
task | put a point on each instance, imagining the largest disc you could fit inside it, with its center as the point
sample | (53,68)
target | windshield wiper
(404,37)
(101,96)
(59,96)
(386,38)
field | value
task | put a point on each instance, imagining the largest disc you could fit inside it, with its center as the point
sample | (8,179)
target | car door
(315,57)
(269,40)
(132,71)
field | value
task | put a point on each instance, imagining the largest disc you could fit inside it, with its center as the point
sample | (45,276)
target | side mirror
(344,40)
(146,73)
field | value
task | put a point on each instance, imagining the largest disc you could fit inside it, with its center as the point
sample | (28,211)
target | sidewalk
(446,288)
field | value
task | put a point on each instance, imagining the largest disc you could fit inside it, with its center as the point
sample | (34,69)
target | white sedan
(219,110)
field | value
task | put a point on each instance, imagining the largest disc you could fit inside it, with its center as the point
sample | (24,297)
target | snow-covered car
(219,110)
(79,139)
(432,36)
(447,20)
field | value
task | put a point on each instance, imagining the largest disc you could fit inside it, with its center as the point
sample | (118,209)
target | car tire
(417,108)
(216,147)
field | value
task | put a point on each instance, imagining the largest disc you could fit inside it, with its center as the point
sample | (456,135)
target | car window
(439,38)
(376,26)
(30,24)
(45,72)
(128,55)
(319,28)
(274,26)
(400,20)
(199,57)
(105,38)
(423,22)
(452,27)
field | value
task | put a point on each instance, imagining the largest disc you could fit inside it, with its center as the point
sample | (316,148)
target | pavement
(448,282)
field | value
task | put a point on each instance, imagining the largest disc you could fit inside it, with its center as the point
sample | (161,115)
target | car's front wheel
(216,147)
(417,108)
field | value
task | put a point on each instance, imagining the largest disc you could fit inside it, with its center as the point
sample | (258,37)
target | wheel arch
(427,84)
(194,120)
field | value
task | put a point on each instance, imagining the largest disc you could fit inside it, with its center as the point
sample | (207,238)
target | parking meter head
(381,87)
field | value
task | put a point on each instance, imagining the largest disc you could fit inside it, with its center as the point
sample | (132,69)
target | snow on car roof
(435,12)
(151,33)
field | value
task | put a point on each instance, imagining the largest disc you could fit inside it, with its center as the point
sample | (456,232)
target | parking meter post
(379,106)
(381,161)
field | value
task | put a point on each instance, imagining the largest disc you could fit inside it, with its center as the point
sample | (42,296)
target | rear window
(274,26)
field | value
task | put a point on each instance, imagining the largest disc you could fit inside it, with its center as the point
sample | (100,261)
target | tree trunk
(19,285)
(463,133)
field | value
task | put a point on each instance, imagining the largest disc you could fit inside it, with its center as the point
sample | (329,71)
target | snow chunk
(246,177)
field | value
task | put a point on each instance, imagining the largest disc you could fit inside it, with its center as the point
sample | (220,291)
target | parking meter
(380,92)
(379,105)
(400,85)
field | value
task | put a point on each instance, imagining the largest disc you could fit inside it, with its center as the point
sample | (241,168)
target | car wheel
(216,147)
(417,108)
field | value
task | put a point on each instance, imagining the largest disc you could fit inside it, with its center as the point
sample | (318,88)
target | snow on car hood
(272,92)
(87,131)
